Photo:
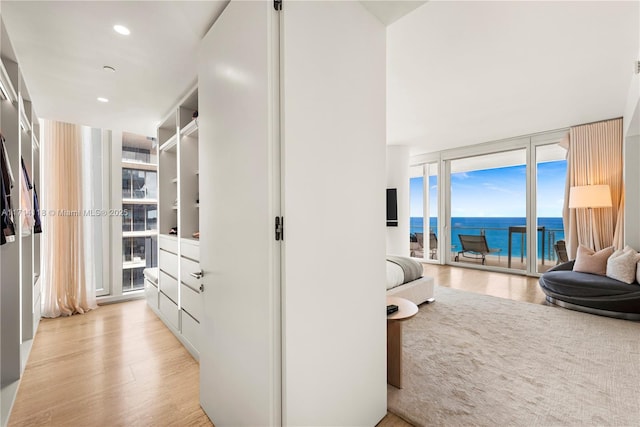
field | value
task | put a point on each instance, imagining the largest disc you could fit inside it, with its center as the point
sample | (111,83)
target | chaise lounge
(591,293)
(475,247)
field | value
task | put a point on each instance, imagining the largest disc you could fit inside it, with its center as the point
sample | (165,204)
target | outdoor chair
(433,245)
(417,245)
(475,247)
(561,252)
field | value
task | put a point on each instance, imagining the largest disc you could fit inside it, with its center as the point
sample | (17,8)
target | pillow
(622,265)
(588,261)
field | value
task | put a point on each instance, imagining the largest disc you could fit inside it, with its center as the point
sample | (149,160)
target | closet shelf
(169,144)
(191,129)
(6,86)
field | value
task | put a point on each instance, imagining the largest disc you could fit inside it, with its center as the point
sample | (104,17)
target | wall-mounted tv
(392,207)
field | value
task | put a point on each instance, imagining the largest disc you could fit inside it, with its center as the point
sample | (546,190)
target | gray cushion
(590,290)
(573,283)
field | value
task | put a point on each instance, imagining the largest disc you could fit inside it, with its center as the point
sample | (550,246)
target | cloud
(460,175)
(493,187)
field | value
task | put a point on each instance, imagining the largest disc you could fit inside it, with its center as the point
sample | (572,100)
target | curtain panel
(595,157)
(68,279)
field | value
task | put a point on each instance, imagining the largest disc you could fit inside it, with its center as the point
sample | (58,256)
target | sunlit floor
(118,365)
(504,285)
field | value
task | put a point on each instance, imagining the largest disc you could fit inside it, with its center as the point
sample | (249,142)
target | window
(423,198)
(509,192)
(489,198)
(140,209)
(551,169)
(139,184)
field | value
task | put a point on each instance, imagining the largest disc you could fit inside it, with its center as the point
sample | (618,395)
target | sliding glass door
(423,198)
(551,171)
(493,206)
(488,209)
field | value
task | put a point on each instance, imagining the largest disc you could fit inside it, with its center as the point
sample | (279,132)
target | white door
(239,199)
(333,81)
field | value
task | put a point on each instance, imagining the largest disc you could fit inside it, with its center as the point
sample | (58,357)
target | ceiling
(461,73)
(390,11)
(62,46)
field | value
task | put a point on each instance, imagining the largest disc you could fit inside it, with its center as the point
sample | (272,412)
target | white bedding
(395,275)
(417,291)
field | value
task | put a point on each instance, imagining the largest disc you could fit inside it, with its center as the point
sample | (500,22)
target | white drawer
(189,267)
(191,301)
(169,286)
(191,330)
(168,243)
(170,311)
(168,263)
(151,293)
(190,249)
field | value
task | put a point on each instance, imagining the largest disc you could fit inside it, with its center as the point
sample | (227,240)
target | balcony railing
(499,237)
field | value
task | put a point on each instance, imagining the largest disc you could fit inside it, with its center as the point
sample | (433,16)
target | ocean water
(496,229)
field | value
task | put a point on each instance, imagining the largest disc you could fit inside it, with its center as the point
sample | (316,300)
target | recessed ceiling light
(109,68)
(121,29)
(101,99)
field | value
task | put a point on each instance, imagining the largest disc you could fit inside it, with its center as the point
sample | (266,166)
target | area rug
(477,360)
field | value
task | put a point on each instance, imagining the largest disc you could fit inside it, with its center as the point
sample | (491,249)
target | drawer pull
(197,275)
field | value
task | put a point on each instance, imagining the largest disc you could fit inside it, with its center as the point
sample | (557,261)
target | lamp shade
(590,196)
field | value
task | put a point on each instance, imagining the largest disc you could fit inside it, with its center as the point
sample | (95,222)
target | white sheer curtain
(595,157)
(68,263)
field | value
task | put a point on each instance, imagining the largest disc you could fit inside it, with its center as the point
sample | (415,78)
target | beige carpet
(477,360)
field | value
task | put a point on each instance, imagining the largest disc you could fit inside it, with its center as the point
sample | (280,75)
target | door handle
(198,275)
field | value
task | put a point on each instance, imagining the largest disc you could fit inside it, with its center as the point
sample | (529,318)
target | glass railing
(498,238)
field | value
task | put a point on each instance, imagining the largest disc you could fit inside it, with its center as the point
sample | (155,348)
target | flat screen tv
(392,207)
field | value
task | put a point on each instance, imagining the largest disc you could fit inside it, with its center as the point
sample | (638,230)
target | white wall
(334,156)
(632,191)
(631,132)
(398,177)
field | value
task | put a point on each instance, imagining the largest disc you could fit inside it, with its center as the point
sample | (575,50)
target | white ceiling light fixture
(102,99)
(121,29)
(109,68)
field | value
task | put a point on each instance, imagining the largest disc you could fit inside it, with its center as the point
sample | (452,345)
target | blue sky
(499,192)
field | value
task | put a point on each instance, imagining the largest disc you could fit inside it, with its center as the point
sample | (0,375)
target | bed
(405,280)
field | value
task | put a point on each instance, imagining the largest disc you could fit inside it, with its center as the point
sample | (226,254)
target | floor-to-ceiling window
(416,220)
(140,209)
(551,171)
(501,206)
(423,197)
(488,209)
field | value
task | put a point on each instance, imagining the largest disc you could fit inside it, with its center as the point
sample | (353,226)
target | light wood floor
(115,366)
(120,366)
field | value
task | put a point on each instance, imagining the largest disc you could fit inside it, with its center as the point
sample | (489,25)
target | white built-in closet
(20,258)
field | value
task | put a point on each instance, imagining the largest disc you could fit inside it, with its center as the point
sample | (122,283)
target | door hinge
(279,228)
(201,288)
(277,4)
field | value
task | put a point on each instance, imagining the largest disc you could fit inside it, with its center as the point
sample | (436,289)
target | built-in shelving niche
(20,259)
